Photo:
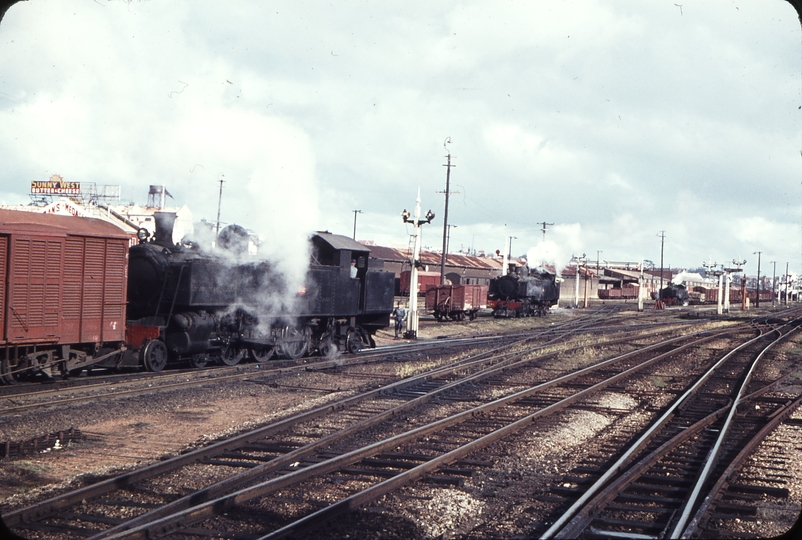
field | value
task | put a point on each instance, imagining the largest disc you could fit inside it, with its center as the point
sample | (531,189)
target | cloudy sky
(613,120)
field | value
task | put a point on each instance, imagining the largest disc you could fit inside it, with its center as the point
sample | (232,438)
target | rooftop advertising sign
(55,186)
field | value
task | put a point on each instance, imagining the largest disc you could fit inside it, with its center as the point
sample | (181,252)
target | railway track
(669,481)
(294,453)
(25,397)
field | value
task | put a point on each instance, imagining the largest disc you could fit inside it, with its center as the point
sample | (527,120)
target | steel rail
(616,467)
(565,526)
(184,518)
(584,516)
(299,454)
(735,464)
(55,504)
(713,455)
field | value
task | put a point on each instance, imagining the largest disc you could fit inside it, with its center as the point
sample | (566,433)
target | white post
(412,316)
(505,262)
(640,288)
(720,294)
(727,280)
(576,285)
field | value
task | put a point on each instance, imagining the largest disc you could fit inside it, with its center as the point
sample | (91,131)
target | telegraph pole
(355,213)
(786,283)
(219,201)
(448,166)
(662,236)
(773,281)
(448,237)
(543,228)
(757,297)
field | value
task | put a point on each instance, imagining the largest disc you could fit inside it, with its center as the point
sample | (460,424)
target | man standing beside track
(399,314)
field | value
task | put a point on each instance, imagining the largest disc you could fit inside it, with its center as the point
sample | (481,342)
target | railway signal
(412,315)
(738,264)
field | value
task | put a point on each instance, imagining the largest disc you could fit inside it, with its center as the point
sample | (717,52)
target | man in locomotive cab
(354,269)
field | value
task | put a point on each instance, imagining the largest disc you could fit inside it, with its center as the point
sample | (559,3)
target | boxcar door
(3,294)
(34,300)
(94,256)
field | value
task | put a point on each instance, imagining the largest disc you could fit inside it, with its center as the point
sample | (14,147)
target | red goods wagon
(425,280)
(630,291)
(454,302)
(618,293)
(63,283)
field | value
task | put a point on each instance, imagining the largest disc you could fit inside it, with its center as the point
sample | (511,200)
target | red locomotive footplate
(136,334)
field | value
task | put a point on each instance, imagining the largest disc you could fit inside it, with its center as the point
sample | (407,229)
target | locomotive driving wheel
(232,355)
(293,343)
(262,354)
(354,342)
(327,348)
(154,355)
(199,360)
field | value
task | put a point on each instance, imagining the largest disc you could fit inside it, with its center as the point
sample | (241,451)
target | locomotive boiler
(523,293)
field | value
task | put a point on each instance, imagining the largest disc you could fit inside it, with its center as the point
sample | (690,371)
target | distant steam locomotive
(523,293)
(674,295)
(73,295)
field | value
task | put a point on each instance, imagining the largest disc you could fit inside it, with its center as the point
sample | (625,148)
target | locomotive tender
(63,302)
(523,293)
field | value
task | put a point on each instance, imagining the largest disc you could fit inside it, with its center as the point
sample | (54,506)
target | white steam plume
(563,242)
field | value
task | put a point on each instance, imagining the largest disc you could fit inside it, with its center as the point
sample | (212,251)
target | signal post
(412,316)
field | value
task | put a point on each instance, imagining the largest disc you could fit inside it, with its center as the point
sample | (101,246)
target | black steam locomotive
(674,295)
(523,293)
(189,304)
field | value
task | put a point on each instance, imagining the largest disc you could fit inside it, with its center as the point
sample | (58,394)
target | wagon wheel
(262,354)
(6,377)
(154,355)
(199,360)
(354,342)
(231,355)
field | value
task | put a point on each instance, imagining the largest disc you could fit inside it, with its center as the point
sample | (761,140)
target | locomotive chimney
(164,228)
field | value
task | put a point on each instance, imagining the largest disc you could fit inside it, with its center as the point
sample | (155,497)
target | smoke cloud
(564,242)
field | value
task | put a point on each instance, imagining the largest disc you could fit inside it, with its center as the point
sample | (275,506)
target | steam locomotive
(523,293)
(674,295)
(73,295)
(206,305)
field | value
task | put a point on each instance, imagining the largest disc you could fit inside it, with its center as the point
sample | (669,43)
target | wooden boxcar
(455,302)
(425,280)
(62,291)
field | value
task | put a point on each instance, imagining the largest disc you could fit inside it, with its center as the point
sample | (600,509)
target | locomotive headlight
(142,234)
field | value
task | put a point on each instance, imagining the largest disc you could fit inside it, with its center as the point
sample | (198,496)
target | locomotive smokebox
(165,221)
